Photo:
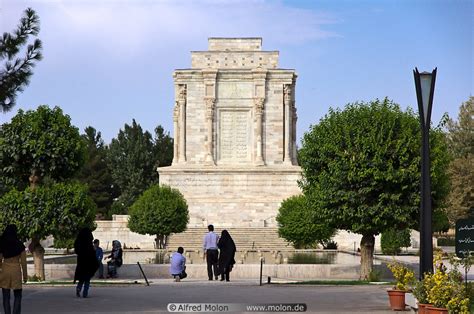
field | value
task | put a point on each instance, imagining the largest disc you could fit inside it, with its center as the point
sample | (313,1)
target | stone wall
(233,197)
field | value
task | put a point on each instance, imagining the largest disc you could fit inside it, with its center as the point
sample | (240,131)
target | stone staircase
(245,238)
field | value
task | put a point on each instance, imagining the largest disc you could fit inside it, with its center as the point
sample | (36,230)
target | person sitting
(178,265)
(115,259)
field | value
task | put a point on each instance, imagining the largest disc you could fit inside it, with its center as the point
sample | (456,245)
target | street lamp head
(425,83)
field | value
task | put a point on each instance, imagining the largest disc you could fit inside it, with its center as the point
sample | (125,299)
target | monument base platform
(233,196)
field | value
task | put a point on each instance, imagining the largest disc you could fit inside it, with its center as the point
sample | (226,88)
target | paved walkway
(155,298)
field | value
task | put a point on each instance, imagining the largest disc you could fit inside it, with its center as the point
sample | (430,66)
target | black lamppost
(425,83)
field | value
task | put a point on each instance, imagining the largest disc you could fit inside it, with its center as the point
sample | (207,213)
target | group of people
(219,252)
(89,260)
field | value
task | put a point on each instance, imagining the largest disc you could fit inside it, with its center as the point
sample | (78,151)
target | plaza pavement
(155,298)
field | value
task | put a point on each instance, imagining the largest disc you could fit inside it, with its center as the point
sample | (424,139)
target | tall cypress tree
(95,172)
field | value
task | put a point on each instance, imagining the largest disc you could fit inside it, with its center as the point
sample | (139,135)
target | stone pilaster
(210,105)
(182,123)
(293,142)
(176,132)
(209,80)
(259,81)
(288,125)
(258,109)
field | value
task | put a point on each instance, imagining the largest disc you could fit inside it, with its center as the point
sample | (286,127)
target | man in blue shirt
(210,251)
(99,254)
(178,265)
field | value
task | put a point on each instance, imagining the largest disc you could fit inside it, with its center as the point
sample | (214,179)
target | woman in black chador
(87,263)
(227,254)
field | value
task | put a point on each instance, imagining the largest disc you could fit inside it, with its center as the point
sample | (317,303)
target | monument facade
(234,135)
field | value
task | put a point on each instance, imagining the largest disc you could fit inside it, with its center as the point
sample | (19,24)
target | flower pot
(397,300)
(430,309)
(422,308)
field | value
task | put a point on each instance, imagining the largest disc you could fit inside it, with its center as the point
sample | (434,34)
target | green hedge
(393,240)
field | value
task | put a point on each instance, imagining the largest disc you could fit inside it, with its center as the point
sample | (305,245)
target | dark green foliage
(461,169)
(330,245)
(42,142)
(16,72)
(160,211)
(297,223)
(361,169)
(96,173)
(393,240)
(133,157)
(446,241)
(59,210)
(163,144)
(361,166)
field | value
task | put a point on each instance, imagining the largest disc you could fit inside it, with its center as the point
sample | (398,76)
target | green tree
(361,168)
(461,169)
(392,240)
(16,72)
(163,147)
(133,158)
(37,146)
(96,173)
(159,211)
(297,223)
(60,210)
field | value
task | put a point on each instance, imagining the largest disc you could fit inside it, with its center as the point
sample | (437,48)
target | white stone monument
(234,135)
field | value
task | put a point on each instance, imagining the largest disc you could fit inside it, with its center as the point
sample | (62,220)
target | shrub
(393,240)
(403,276)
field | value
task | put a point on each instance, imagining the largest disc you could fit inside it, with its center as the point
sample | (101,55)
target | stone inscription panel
(234,136)
(235,90)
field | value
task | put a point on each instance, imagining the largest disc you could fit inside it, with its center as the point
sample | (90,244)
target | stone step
(245,238)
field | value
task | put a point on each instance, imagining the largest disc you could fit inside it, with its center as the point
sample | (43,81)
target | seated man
(178,265)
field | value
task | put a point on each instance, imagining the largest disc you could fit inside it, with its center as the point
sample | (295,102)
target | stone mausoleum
(234,135)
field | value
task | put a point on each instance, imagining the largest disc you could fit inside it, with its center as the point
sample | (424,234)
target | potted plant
(419,292)
(403,277)
(444,290)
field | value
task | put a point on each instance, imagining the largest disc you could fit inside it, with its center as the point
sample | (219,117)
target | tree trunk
(38,257)
(366,255)
(35,247)
(34,179)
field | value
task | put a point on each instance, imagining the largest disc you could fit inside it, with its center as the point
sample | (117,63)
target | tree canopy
(16,71)
(361,168)
(461,169)
(160,210)
(60,210)
(96,173)
(37,144)
(297,223)
(133,157)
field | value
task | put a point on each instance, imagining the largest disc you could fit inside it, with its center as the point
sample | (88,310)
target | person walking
(210,252)
(13,266)
(87,263)
(99,254)
(178,265)
(115,259)
(227,255)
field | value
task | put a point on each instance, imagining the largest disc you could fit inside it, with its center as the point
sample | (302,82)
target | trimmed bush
(393,240)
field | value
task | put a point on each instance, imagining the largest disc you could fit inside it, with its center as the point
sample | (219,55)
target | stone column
(293,142)
(258,107)
(182,123)
(210,104)
(287,99)
(176,132)
(259,81)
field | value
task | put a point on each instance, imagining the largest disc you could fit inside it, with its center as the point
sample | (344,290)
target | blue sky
(107,62)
